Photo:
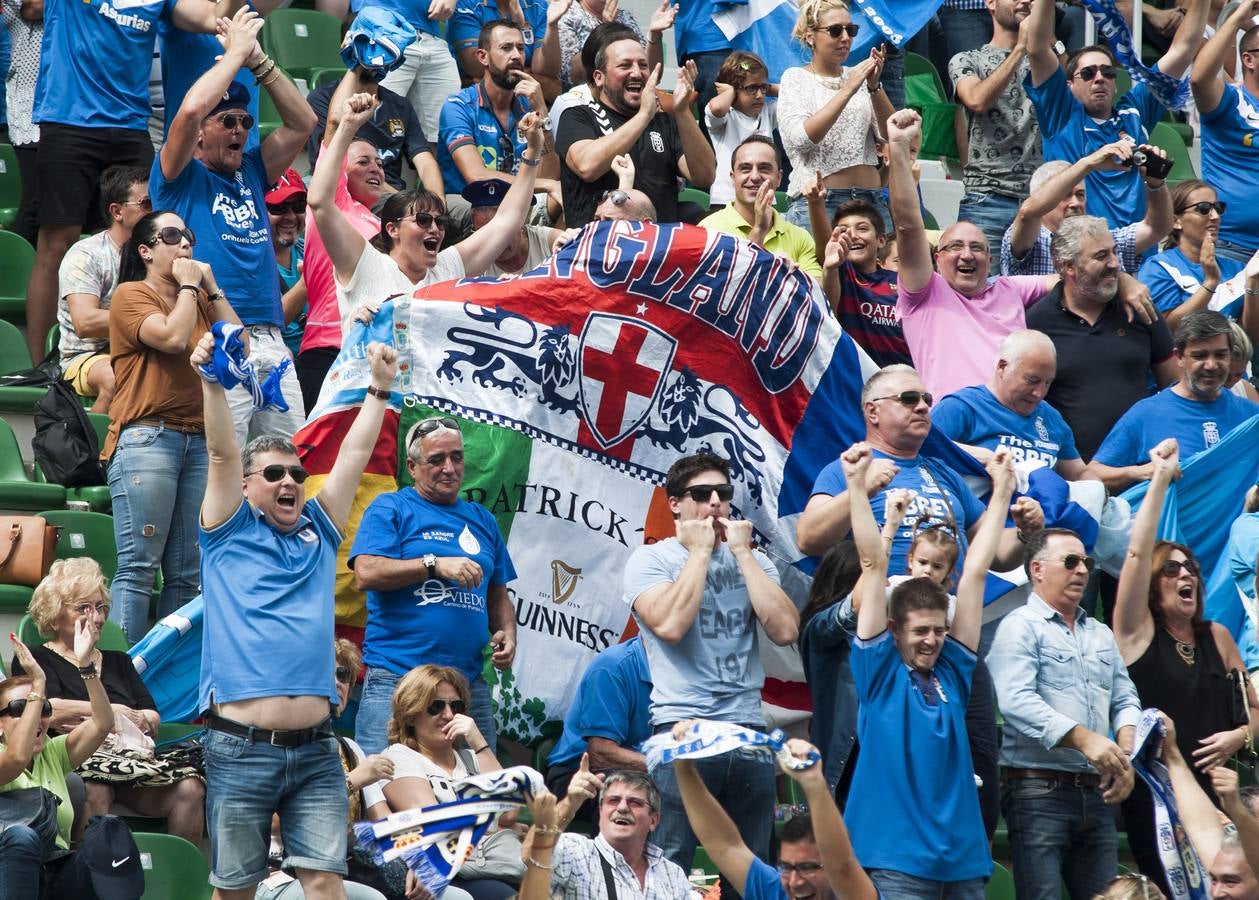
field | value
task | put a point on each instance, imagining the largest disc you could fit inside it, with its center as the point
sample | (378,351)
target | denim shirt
(1050,679)
(825,645)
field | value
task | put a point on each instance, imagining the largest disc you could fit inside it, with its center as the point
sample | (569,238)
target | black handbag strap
(607,874)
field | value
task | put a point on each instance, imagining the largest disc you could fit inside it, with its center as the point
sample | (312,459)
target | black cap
(113,859)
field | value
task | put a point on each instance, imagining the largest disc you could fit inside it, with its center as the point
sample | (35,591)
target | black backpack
(65,443)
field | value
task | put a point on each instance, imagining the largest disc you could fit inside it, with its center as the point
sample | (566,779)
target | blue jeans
(157,480)
(798,211)
(1059,834)
(21,856)
(375,706)
(894,885)
(743,783)
(992,213)
(247,781)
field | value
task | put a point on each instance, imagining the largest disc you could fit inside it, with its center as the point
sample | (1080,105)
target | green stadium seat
(1166,137)
(268,115)
(324,74)
(53,339)
(86,534)
(10,185)
(917,64)
(781,201)
(1000,885)
(17,257)
(695,195)
(14,355)
(173,868)
(301,41)
(17,490)
(14,599)
(112,637)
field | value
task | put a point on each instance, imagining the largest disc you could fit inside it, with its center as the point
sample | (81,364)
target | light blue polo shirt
(268,607)
(468,119)
(470,15)
(1230,162)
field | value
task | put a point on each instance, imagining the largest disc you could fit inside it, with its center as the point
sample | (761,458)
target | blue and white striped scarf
(705,739)
(230,367)
(1171,92)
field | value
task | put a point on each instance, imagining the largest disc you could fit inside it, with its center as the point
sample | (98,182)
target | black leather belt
(1072,779)
(293,738)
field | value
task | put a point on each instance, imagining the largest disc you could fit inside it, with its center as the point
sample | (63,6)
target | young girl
(744,106)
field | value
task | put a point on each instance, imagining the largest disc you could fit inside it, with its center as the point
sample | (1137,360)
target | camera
(1155,166)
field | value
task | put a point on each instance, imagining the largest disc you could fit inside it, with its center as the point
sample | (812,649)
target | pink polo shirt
(953,338)
(323,318)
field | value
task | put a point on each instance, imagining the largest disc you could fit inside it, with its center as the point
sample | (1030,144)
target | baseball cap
(112,859)
(489,192)
(235,97)
(290,183)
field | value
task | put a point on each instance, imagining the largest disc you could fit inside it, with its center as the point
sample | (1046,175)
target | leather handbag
(27,547)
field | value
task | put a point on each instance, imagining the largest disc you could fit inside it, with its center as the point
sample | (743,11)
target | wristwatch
(430,560)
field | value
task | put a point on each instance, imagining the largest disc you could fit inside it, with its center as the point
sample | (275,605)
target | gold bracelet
(265,59)
(34,696)
(547,829)
(530,861)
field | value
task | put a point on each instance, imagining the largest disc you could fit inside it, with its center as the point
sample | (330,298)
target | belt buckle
(285,735)
(1077,779)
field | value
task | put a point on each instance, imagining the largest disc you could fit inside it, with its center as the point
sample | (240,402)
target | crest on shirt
(395,128)
(308,536)
(468,542)
(657,142)
(431,591)
(1041,431)
(1210,433)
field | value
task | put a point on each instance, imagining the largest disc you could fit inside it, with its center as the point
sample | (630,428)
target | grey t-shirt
(89,267)
(715,671)
(1005,140)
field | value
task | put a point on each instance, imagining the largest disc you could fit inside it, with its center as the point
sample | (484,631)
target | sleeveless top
(1198,698)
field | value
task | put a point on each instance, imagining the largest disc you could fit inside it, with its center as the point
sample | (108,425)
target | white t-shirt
(728,132)
(408,763)
(377,276)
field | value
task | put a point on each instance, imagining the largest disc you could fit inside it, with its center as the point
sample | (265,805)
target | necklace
(830,82)
(1187,652)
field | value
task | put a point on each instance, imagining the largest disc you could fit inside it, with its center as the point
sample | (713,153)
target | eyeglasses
(835,31)
(755,89)
(1171,568)
(1204,207)
(15,708)
(293,205)
(618,198)
(1072,561)
(426,220)
(230,120)
(458,707)
(908,398)
(172,236)
(343,674)
(1088,73)
(804,868)
(143,203)
(636,803)
(86,609)
(701,492)
(276,472)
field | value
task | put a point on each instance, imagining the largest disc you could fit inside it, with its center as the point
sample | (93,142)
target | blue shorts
(248,781)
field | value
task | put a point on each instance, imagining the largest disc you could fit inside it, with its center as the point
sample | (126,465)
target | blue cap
(235,97)
(489,192)
(376,40)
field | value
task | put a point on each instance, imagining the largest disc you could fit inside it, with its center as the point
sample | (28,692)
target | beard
(506,78)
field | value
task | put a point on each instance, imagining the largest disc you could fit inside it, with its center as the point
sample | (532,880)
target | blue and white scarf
(435,841)
(230,367)
(705,739)
(1180,860)
(1171,92)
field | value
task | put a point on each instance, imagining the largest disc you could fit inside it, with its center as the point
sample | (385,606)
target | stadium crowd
(1082,315)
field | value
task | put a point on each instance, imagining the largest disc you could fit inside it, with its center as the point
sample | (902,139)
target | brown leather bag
(27,548)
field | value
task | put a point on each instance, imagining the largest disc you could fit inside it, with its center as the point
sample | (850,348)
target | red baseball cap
(290,183)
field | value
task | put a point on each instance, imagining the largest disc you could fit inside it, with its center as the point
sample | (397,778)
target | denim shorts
(247,781)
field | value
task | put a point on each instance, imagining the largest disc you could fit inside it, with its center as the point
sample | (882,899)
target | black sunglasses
(1072,561)
(15,708)
(343,674)
(230,120)
(458,707)
(276,472)
(172,236)
(293,205)
(835,31)
(908,398)
(1204,207)
(701,492)
(1171,568)
(425,220)
(1088,73)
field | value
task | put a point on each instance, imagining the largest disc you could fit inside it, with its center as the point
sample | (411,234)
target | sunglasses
(908,398)
(343,674)
(1204,207)
(426,220)
(458,707)
(172,236)
(835,31)
(231,120)
(15,708)
(1072,561)
(428,426)
(636,803)
(295,206)
(618,198)
(805,868)
(1088,73)
(1171,568)
(276,472)
(143,203)
(701,492)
